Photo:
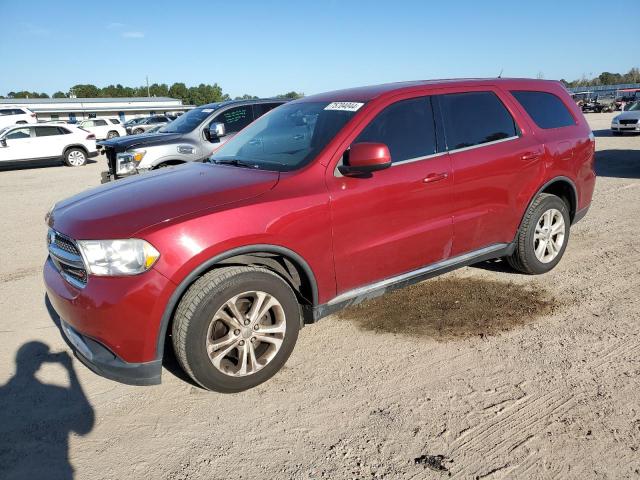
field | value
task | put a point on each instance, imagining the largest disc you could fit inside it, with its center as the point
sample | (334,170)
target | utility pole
(148,95)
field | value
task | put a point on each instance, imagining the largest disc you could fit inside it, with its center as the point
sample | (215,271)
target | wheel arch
(281,260)
(79,146)
(562,187)
(170,162)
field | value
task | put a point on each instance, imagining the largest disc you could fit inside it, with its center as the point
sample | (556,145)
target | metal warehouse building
(75,109)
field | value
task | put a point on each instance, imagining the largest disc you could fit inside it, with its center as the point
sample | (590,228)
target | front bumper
(618,127)
(113,323)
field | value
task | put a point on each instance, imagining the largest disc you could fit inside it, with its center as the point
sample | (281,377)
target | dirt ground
(482,373)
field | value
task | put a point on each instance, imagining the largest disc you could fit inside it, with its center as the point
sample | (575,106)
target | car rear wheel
(112,134)
(543,235)
(75,157)
(235,328)
(138,131)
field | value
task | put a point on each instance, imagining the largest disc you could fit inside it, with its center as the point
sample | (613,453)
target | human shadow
(37,418)
(624,163)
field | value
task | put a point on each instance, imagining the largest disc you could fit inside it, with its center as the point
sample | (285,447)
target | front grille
(66,257)
(66,244)
(629,122)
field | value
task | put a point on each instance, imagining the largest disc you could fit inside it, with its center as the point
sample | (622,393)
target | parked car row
(319,204)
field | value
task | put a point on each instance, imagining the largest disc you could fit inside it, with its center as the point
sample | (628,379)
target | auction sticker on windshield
(344,106)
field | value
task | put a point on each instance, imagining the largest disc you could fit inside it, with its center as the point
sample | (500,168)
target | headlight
(128,161)
(48,214)
(615,120)
(118,257)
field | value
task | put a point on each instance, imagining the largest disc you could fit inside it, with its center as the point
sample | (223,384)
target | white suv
(103,128)
(11,115)
(21,143)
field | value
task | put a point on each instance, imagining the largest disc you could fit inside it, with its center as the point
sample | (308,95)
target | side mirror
(215,131)
(365,158)
(3,142)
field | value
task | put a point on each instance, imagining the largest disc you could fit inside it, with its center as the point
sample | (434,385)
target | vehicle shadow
(36,165)
(618,163)
(37,418)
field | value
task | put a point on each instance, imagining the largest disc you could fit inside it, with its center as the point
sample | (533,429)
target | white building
(76,109)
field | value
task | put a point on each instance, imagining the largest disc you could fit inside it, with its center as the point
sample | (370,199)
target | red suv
(321,203)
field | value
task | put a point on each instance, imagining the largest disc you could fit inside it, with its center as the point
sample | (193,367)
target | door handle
(434,177)
(527,157)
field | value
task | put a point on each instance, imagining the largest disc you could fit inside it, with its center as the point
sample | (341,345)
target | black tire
(75,157)
(112,134)
(138,131)
(197,309)
(524,258)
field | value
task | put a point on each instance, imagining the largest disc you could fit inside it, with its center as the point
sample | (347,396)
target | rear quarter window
(544,108)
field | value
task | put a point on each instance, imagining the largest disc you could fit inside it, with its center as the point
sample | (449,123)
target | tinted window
(235,119)
(19,133)
(6,111)
(546,110)
(474,118)
(406,127)
(115,121)
(47,131)
(100,123)
(63,131)
(260,109)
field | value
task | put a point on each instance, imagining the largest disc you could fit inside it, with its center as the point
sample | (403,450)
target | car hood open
(121,144)
(122,208)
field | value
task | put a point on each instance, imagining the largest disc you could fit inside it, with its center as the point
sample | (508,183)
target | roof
(24,101)
(225,103)
(370,92)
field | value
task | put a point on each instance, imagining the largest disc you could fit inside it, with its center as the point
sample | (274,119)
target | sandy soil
(483,373)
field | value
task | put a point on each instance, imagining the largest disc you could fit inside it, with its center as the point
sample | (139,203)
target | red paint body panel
(350,231)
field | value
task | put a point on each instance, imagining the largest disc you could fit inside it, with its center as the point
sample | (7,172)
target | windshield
(288,137)
(187,122)
(634,107)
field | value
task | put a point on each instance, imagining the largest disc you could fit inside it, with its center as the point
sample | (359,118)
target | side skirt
(358,295)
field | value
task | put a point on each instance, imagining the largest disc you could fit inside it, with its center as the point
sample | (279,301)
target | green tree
(179,91)
(85,91)
(159,90)
(246,97)
(59,94)
(292,95)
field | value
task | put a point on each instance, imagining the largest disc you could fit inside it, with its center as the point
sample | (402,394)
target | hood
(628,115)
(121,144)
(124,207)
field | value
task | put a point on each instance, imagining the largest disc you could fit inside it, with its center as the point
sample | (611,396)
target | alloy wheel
(549,235)
(246,333)
(76,158)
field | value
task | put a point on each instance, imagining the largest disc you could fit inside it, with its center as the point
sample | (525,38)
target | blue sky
(270,47)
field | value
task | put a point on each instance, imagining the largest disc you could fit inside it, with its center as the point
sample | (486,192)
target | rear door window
(475,118)
(47,131)
(235,119)
(407,127)
(545,109)
(100,123)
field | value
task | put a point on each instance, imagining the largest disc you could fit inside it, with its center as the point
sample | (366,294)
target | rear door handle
(527,157)
(435,177)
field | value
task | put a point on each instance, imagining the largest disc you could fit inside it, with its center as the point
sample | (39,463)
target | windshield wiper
(234,162)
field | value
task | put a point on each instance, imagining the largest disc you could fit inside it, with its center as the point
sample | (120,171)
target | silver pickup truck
(191,137)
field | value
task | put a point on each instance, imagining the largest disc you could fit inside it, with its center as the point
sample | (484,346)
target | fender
(539,191)
(206,265)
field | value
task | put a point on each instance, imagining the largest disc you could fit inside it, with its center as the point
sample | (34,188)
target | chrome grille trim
(65,255)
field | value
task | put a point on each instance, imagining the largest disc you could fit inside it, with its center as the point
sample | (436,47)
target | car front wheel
(112,134)
(543,235)
(235,328)
(74,157)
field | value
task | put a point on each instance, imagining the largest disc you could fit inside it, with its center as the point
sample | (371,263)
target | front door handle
(435,177)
